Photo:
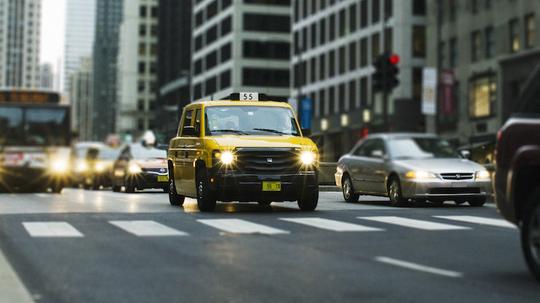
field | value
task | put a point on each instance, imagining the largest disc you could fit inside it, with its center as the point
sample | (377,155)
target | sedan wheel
(530,234)
(348,191)
(394,193)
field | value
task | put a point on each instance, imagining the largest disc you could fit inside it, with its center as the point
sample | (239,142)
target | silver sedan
(407,167)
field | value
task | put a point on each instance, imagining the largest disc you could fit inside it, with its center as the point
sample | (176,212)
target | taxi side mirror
(306,132)
(189,131)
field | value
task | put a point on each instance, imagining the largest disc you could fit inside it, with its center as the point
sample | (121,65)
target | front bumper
(242,187)
(444,189)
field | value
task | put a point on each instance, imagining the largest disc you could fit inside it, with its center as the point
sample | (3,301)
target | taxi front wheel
(206,199)
(309,200)
(174,198)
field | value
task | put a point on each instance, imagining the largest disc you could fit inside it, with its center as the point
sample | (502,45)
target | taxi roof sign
(254,96)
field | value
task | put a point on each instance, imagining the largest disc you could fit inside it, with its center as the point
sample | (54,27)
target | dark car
(140,167)
(517,179)
(99,171)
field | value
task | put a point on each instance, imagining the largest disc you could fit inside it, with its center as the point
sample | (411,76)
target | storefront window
(482,95)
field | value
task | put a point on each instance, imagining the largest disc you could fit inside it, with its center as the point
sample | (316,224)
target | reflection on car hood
(152,163)
(262,141)
(440,165)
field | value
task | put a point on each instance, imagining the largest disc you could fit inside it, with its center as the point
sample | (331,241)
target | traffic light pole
(385,95)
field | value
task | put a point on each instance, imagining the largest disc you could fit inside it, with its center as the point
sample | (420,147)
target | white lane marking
(479,220)
(412,223)
(331,224)
(147,228)
(418,267)
(239,226)
(51,229)
(11,287)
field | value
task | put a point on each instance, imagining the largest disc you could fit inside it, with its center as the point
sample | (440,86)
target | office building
(46,76)
(82,101)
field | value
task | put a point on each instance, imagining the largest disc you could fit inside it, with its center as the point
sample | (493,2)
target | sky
(52,32)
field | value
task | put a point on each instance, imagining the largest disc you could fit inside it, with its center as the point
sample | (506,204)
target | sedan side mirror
(466,154)
(377,154)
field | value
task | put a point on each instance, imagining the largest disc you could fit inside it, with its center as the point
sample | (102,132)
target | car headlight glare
(134,169)
(483,175)
(81,166)
(100,167)
(59,166)
(226,157)
(307,157)
(420,175)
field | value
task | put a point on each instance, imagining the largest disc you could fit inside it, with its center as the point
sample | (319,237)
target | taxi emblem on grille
(269,160)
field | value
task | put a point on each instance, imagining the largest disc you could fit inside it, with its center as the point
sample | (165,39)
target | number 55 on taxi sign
(249,96)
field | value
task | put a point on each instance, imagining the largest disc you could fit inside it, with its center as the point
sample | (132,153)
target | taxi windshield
(250,120)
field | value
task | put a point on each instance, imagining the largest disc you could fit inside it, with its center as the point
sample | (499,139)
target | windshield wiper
(268,130)
(234,131)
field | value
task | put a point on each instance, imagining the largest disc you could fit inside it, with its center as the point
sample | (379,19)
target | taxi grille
(457,176)
(267,161)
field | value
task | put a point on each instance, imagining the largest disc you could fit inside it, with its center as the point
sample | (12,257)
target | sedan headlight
(100,167)
(420,175)
(307,157)
(483,175)
(59,166)
(134,168)
(81,166)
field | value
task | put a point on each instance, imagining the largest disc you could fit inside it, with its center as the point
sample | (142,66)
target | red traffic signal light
(394,59)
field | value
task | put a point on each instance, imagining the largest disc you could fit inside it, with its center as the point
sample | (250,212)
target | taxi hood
(231,142)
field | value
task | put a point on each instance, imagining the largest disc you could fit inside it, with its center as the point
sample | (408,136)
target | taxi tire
(57,189)
(352,196)
(206,199)
(309,200)
(116,188)
(174,198)
(130,187)
(532,209)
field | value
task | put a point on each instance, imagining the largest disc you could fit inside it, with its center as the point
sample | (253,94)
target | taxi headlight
(420,175)
(100,167)
(134,168)
(307,157)
(226,157)
(59,166)
(81,166)
(483,175)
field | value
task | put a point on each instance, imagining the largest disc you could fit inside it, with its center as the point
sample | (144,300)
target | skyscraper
(46,76)
(137,67)
(20,23)
(105,56)
(81,91)
(79,40)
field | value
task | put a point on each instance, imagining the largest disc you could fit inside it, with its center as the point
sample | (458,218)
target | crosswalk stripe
(147,228)
(239,226)
(51,229)
(479,220)
(412,223)
(332,225)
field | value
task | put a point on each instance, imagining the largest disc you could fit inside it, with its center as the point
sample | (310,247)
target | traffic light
(386,72)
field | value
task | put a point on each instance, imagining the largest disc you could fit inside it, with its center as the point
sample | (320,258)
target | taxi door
(192,151)
(177,151)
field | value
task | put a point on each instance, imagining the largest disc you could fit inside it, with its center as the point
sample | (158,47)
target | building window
(332,63)
(417,83)
(322,67)
(313,35)
(352,56)
(375,47)
(352,17)
(199,19)
(211,60)
(453,55)
(313,70)
(142,30)
(352,94)
(363,13)
(441,56)
(475,46)
(474,6)
(226,53)
(364,92)
(490,42)
(482,96)
(530,30)
(142,67)
(513,27)
(332,28)
(419,7)
(452,10)
(375,11)
(363,52)
(419,41)
(211,10)
(322,31)
(142,11)
(342,23)
(266,50)
(265,77)
(342,57)
(226,26)
(267,23)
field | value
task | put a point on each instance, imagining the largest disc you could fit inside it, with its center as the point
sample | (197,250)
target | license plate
(271,186)
(163,178)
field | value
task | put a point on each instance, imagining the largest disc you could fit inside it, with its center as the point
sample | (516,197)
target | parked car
(99,167)
(517,180)
(406,167)
(140,167)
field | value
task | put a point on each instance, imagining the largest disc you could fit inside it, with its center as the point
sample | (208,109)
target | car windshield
(420,148)
(250,120)
(140,152)
(108,154)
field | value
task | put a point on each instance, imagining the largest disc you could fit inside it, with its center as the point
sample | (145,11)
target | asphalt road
(84,246)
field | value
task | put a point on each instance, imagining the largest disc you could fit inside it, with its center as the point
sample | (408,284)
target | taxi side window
(188,117)
(198,122)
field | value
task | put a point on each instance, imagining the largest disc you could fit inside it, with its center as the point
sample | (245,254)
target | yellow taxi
(242,149)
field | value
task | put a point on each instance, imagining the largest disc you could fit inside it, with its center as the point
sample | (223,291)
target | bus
(35,139)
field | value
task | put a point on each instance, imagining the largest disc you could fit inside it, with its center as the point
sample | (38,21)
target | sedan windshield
(420,148)
(250,120)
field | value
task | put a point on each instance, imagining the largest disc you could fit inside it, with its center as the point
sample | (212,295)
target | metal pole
(385,100)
